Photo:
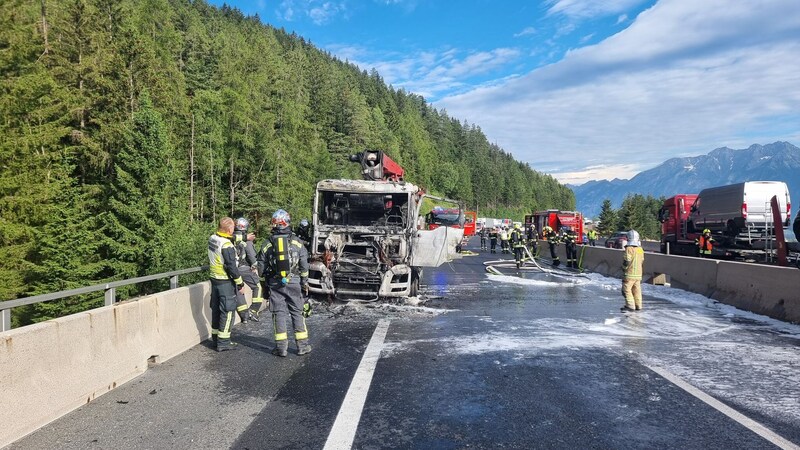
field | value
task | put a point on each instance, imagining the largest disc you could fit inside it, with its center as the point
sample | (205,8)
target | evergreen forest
(638,212)
(129,127)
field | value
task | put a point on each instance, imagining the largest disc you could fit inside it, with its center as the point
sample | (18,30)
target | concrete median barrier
(768,290)
(50,368)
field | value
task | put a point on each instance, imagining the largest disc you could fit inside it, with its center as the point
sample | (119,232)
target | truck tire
(731,229)
(414,289)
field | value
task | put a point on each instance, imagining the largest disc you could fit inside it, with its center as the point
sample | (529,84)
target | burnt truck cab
(370,241)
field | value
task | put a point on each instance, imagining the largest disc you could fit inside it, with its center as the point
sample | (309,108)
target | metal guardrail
(109,288)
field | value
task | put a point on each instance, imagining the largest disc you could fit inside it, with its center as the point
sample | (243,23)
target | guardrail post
(173,282)
(111,296)
(5,320)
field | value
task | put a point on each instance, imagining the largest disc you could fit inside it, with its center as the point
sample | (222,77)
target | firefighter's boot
(303,347)
(281,348)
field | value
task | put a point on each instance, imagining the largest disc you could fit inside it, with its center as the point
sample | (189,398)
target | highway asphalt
(522,360)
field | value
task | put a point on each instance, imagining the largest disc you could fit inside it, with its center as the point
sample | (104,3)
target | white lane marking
(749,423)
(344,428)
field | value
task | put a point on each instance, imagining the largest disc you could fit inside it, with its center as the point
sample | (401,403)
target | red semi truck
(676,238)
(682,222)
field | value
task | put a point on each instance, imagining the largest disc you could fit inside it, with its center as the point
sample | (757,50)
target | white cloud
(319,11)
(685,76)
(430,73)
(621,19)
(581,9)
(601,172)
(526,32)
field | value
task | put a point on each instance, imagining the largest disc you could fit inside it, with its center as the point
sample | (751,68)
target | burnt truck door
(432,248)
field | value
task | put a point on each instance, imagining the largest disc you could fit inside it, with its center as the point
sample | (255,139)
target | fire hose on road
(494,267)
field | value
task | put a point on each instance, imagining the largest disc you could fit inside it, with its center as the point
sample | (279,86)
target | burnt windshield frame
(363,208)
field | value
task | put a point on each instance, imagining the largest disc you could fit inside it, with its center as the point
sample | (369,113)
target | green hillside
(130,127)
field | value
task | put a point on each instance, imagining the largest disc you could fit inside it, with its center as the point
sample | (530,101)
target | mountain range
(779,161)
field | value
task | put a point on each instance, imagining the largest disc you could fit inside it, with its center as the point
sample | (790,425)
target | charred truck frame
(369,239)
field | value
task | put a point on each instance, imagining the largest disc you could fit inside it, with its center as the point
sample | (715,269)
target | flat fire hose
(493,267)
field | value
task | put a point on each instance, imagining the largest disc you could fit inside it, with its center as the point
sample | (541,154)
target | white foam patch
(693,300)
(529,281)
(755,376)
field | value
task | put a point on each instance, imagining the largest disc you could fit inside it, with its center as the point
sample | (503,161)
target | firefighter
(248,268)
(483,234)
(532,239)
(285,268)
(552,240)
(518,244)
(504,237)
(705,243)
(305,234)
(632,263)
(226,282)
(592,236)
(493,239)
(569,238)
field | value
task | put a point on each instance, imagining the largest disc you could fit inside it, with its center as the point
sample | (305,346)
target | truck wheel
(731,229)
(414,290)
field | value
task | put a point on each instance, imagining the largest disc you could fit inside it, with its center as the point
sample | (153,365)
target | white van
(735,208)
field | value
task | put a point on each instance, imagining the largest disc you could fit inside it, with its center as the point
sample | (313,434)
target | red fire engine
(556,219)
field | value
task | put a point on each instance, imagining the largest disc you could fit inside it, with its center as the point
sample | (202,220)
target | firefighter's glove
(240,286)
(305,290)
(307,308)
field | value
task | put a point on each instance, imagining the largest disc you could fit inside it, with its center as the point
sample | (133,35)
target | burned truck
(370,240)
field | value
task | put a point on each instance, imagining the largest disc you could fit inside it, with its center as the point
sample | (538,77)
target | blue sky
(580,89)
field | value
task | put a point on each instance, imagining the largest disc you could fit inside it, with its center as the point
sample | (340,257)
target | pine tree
(608,219)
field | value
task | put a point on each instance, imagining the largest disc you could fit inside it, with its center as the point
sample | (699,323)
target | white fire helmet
(633,238)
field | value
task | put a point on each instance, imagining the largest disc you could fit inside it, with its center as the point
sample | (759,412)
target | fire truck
(369,239)
(452,217)
(556,219)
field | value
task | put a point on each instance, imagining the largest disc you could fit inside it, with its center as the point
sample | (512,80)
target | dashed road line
(747,422)
(344,427)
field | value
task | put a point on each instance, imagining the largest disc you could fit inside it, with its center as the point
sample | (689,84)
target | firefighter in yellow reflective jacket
(632,265)
(592,236)
(552,240)
(518,244)
(284,261)
(570,239)
(226,282)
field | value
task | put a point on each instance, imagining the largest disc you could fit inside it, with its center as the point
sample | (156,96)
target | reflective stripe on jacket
(632,263)
(705,244)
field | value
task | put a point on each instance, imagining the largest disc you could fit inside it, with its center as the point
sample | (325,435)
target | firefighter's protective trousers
(632,290)
(553,253)
(286,301)
(223,307)
(572,253)
(252,281)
